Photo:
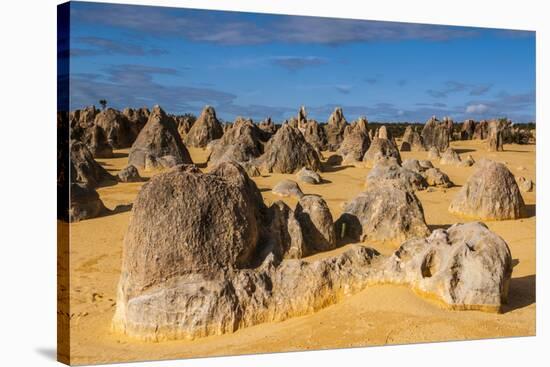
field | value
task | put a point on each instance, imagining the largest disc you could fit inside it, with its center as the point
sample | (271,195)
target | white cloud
(477,108)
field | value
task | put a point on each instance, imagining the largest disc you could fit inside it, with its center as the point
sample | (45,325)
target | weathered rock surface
(137,118)
(317,225)
(85,202)
(314,135)
(187,276)
(287,188)
(383,214)
(495,137)
(433,153)
(356,142)
(309,176)
(240,143)
(83,167)
(158,138)
(435,177)
(491,193)
(268,127)
(116,127)
(381,148)
(468,129)
(389,173)
(524,184)
(288,151)
(205,129)
(468,162)
(450,157)
(481,130)
(335,128)
(97,143)
(129,174)
(412,141)
(466,267)
(436,134)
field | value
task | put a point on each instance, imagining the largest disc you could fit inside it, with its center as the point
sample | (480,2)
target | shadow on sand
(522,293)
(329,168)
(530,210)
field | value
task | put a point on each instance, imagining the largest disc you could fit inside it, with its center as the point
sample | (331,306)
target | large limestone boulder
(288,151)
(383,213)
(491,193)
(184,221)
(84,168)
(381,147)
(466,267)
(495,137)
(317,225)
(335,128)
(389,173)
(85,202)
(116,127)
(205,129)
(240,143)
(356,142)
(436,134)
(157,140)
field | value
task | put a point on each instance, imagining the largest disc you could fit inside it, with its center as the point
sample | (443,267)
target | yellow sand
(384,314)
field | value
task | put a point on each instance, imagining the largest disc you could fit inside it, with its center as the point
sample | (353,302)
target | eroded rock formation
(158,144)
(436,134)
(491,193)
(205,129)
(288,151)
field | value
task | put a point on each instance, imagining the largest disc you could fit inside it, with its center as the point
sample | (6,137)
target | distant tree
(103,103)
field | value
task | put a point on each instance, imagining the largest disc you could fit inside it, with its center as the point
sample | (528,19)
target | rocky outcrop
(335,128)
(433,153)
(83,167)
(481,130)
(466,267)
(388,173)
(412,141)
(287,188)
(381,147)
(85,202)
(184,124)
(491,193)
(309,176)
(205,129)
(495,137)
(450,157)
(314,135)
(436,134)
(315,219)
(96,141)
(158,144)
(435,177)
(382,213)
(137,118)
(116,127)
(467,130)
(288,151)
(268,127)
(356,142)
(240,143)
(188,276)
(129,174)
(468,162)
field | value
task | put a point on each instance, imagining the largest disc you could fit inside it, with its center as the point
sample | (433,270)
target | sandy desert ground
(379,315)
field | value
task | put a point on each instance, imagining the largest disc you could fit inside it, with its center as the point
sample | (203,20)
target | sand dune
(376,316)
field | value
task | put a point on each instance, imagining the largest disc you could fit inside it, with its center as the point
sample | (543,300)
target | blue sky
(259,65)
